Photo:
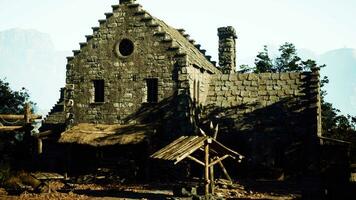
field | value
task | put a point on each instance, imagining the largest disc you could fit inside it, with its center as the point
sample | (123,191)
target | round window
(125,47)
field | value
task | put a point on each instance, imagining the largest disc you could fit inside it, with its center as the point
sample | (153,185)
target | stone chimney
(227,49)
(127,1)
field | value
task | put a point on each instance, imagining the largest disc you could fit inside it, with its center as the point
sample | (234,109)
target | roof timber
(184,146)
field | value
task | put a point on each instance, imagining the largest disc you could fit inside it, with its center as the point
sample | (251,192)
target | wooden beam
(19,117)
(196,160)
(9,128)
(334,140)
(218,160)
(43,134)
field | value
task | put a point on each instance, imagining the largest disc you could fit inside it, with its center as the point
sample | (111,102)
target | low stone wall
(266,115)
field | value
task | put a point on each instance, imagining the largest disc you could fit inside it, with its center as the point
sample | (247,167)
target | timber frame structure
(27,117)
(214,153)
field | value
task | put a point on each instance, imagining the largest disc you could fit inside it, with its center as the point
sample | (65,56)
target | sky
(317,25)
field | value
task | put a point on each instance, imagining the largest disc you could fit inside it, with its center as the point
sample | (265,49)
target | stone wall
(124,76)
(264,115)
(199,82)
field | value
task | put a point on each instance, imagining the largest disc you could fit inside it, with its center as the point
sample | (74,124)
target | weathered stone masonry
(264,113)
(131,48)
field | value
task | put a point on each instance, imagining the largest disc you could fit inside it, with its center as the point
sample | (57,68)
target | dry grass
(105,135)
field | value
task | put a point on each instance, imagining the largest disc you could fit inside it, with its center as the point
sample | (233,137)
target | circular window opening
(126,47)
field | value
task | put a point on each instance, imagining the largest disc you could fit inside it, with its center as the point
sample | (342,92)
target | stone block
(294,75)
(265,76)
(284,76)
(245,93)
(254,83)
(238,83)
(262,93)
(242,77)
(246,83)
(271,92)
(225,77)
(233,77)
(275,76)
(280,82)
(252,77)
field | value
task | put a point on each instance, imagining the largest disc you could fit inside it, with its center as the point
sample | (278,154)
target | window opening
(98,91)
(152,90)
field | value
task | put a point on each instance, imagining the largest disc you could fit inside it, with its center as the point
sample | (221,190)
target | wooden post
(27,115)
(207,182)
(39,146)
(212,181)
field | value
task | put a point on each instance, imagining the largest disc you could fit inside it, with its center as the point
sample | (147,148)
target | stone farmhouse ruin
(137,84)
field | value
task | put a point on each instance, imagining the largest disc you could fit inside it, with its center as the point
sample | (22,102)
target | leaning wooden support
(217,159)
(225,171)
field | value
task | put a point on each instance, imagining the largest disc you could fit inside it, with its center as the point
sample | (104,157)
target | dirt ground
(132,192)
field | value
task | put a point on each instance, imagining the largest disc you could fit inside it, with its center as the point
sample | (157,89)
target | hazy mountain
(341,70)
(28,59)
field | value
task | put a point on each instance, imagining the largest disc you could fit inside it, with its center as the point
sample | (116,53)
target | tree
(263,62)
(12,102)
(333,124)
(288,61)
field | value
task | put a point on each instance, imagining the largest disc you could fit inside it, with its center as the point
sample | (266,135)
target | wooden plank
(162,151)
(192,150)
(185,147)
(182,147)
(169,153)
(189,148)
(47,176)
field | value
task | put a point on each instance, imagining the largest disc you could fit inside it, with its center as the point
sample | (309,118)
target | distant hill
(28,59)
(341,70)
